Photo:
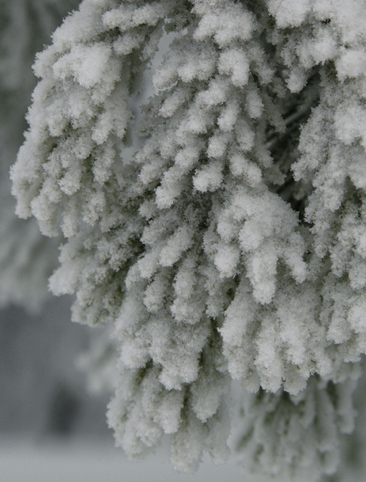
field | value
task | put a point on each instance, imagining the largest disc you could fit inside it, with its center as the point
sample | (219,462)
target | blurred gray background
(42,392)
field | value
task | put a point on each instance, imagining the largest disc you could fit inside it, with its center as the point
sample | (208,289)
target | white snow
(92,461)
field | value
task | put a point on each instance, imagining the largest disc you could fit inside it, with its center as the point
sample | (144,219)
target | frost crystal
(233,245)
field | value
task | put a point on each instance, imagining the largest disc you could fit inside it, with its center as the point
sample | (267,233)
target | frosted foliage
(98,362)
(352,447)
(297,437)
(233,245)
(26,258)
(94,63)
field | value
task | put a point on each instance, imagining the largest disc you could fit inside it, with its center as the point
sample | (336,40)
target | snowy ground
(82,461)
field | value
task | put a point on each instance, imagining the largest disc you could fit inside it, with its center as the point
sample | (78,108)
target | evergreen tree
(232,246)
